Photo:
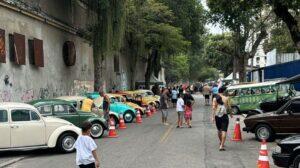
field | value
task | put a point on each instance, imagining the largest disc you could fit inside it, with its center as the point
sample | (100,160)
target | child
(180,110)
(188,113)
(86,155)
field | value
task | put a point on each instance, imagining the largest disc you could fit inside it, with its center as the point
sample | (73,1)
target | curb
(2,165)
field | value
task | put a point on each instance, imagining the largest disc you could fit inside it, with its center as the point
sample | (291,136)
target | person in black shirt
(188,97)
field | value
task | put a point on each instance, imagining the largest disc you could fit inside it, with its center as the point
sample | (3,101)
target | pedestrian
(174,93)
(206,93)
(214,91)
(106,107)
(219,116)
(87,104)
(188,113)
(164,106)
(180,110)
(188,97)
(86,154)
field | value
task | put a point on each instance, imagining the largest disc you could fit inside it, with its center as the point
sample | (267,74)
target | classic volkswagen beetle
(23,128)
(77,102)
(65,110)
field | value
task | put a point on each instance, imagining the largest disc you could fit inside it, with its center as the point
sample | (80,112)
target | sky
(212,28)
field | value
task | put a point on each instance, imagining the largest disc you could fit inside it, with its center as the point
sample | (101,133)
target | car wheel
(157,105)
(128,116)
(263,131)
(66,141)
(235,110)
(115,119)
(97,130)
(297,162)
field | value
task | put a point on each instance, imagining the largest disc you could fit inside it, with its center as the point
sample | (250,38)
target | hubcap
(263,133)
(68,143)
(128,117)
(96,130)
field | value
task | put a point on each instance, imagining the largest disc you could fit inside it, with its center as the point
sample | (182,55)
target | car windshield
(281,109)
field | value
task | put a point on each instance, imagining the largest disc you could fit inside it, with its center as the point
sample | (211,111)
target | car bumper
(246,129)
(280,159)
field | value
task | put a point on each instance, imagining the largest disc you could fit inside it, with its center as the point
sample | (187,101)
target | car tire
(296,163)
(264,131)
(235,110)
(157,105)
(65,142)
(97,130)
(115,119)
(128,116)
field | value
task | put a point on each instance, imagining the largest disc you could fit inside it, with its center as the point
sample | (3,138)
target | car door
(294,117)
(27,128)
(66,112)
(4,129)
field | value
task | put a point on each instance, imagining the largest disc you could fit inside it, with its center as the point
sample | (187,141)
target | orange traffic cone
(122,122)
(263,159)
(237,136)
(138,117)
(148,112)
(112,129)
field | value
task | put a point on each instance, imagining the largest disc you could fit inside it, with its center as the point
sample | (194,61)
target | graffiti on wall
(5,96)
(27,95)
(82,87)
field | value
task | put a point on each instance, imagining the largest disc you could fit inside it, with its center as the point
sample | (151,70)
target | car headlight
(277,149)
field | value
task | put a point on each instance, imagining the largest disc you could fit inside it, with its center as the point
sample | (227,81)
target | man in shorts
(206,93)
(164,106)
(180,110)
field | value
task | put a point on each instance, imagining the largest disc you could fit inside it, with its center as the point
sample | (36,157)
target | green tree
(280,39)
(176,67)
(154,32)
(190,17)
(247,20)
(219,52)
(288,12)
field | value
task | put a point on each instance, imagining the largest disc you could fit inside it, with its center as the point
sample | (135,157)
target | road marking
(166,134)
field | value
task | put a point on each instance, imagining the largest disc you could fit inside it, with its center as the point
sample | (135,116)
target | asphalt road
(153,145)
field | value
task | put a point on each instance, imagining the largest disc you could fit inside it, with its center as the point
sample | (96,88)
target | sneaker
(178,126)
(167,124)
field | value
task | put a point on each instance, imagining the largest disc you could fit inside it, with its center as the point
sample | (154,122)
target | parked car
(120,98)
(77,102)
(285,120)
(65,110)
(22,128)
(287,153)
(148,97)
(120,108)
(247,98)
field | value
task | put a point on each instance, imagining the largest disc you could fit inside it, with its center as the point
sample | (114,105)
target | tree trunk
(242,68)
(283,13)
(150,67)
(98,59)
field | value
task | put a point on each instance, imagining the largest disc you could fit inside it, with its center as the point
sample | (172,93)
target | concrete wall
(27,82)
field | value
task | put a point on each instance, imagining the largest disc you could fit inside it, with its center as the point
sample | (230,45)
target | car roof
(8,105)
(71,98)
(252,85)
(48,101)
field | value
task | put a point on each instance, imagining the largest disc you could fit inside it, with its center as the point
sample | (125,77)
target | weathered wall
(23,83)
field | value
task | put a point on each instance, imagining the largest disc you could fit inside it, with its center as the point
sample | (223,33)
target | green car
(65,110)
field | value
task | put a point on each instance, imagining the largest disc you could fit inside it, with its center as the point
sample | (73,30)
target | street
(152,144)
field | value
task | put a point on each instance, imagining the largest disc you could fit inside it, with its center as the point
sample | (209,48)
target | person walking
(214,90)
(188,113)
(164,106)
(206,93)
(180,110)
(106,107)
(220,108)
(86,154)
(174,95)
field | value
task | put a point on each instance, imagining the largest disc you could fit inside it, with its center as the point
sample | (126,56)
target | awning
(294,79)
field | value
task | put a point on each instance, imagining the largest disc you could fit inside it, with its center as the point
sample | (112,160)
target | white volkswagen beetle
(23,128)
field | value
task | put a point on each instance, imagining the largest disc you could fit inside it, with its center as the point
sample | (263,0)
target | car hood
(56,121)
(291,140)
(261,115)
